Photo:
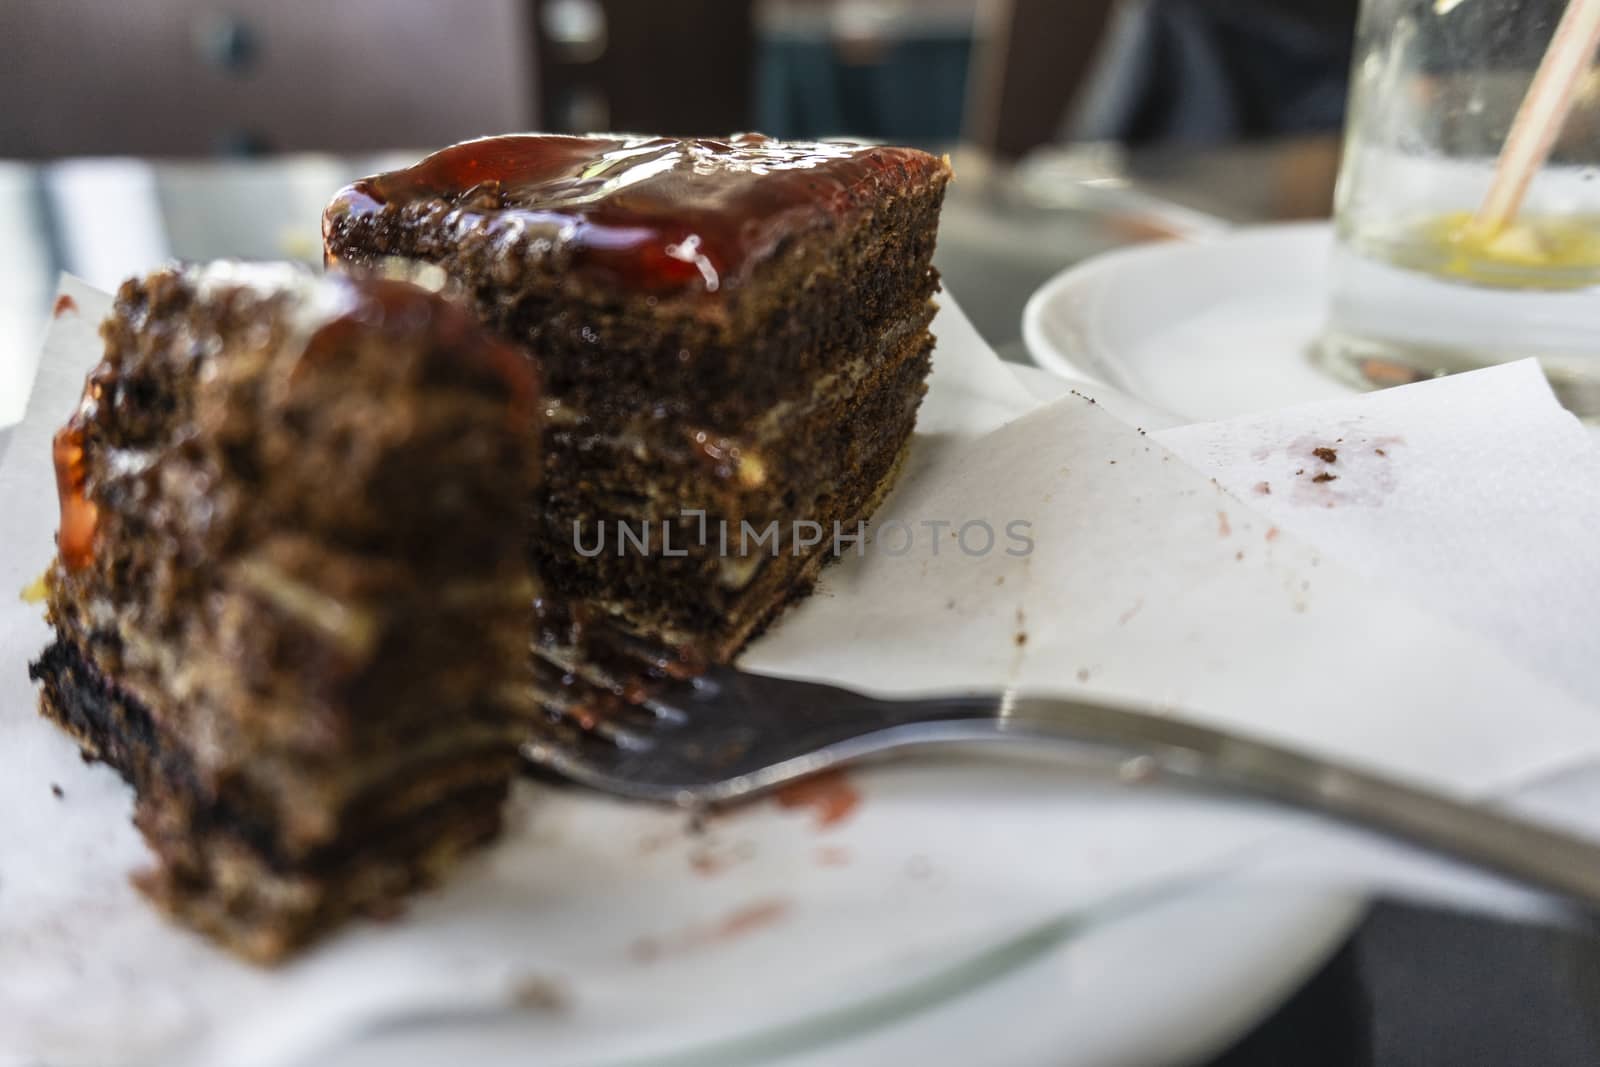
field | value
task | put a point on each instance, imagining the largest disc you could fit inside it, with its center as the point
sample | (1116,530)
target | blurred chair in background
(1031,63)
(197,78)
(647,66)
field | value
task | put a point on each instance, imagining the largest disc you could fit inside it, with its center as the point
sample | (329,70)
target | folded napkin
(1146,578)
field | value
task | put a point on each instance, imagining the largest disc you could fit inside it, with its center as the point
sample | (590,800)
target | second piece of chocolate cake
(734,339)
(291,600)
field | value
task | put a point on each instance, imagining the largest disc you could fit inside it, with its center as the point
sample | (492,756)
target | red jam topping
(658,214)
(404,309)
(79,516)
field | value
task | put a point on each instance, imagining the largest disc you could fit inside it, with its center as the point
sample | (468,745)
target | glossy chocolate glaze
(653,214)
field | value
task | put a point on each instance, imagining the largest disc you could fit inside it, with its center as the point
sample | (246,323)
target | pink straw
(1543,112)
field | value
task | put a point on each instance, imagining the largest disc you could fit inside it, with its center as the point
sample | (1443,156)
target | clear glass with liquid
(1420,289)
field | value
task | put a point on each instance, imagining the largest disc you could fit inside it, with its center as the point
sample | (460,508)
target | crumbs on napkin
(711,858)
(1366,476)
(386,911)
(745,920)
(535,992)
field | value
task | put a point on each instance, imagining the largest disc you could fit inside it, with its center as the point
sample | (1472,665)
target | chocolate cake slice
(734,339)
(291,599)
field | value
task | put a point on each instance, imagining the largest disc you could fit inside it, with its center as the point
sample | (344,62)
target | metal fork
(729,734)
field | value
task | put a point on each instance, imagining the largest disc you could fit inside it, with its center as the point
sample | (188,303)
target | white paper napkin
(1146,579)
(1476,495)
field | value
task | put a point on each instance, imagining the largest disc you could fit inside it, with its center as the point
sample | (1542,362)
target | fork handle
(1153,747)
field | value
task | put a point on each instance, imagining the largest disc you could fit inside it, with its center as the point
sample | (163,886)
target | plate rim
(1089,273)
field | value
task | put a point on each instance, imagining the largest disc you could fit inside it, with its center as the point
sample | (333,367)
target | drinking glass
(1418,288)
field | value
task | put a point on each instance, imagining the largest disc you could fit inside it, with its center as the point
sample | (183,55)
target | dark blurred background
(219,127)
(209,77)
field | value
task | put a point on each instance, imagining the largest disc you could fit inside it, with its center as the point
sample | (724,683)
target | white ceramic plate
(1169,980)
(935,925)
(1174,983)
(1205,331)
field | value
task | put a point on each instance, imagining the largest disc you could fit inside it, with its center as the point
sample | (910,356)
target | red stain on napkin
(757,915)
(830,796)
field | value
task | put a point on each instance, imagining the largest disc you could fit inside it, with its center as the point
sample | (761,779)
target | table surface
(1415,987)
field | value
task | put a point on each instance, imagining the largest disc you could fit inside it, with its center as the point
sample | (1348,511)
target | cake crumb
(747,920)
(537,993)
(707,863)
(1380,452)
(1325,476)
(385,911)
(1083,674)
(1264,488)
(1326,454)
(1022,639)
(36,591)
(56,791)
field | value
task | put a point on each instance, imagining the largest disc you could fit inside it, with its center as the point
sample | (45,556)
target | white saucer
(1206,330)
